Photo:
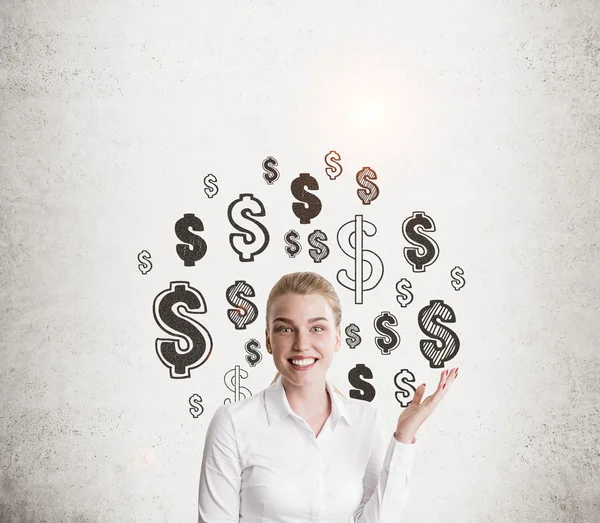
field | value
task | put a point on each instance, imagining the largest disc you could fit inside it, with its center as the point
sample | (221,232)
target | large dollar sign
(253,357)
(321,251)
(166,309)
(363,390)
(270,174)
(428,248)
(404,380)
(198,246)
(369,191)
(350,240)
(390,339)
(233,377)
(293,247)
(311,205)
(249,242)
(211,188)
(333,169)
(245,311)
(145,264)
(353,340)
(448,343)
(404,297)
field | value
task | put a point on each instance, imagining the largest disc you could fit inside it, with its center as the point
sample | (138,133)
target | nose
(301,341)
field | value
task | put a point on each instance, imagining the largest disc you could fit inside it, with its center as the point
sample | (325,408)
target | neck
(308,400)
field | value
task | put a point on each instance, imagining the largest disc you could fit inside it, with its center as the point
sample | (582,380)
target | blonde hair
(305,283)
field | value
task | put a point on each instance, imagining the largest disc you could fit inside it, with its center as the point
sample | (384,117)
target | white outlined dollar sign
(350,240)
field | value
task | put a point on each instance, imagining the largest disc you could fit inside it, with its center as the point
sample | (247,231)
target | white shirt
(263,464)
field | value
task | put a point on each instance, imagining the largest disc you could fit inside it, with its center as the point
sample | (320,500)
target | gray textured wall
(111,114)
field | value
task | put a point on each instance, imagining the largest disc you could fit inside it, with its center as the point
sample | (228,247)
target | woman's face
(302,326)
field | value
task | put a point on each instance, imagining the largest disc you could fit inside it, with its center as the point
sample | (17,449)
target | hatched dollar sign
(369,190)
(194,247)
(403,381)
(353,340)
(320,251)
(309,204)
(427,250)
(254,356)
(363,390)
(293,246)
(245,311)
(431,321)
(253,237)
(390,339)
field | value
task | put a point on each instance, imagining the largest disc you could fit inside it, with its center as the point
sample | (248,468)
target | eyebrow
(310,320)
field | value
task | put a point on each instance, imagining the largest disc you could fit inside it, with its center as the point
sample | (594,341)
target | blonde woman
(300,450)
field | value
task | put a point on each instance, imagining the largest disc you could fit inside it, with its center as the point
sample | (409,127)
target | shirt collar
(278,406)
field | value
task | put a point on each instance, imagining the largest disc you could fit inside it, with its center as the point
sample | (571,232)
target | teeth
(303,363)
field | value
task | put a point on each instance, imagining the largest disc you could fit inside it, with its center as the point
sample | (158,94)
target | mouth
(303,367)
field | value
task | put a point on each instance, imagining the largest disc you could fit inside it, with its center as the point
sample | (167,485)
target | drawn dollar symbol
(232,382)
(333,169)
(429,250)
(270,174)
(458,282)
(369,191)
(249,241)
(145,264)
(404,380)
(254,356)
(167,310)
(196,404)
(211,188)
(363,390)
(404,297)
(350,240)
(431,321)
(245,311)
(321,251)
(353,340)
(197,251)
(293,247)
(311,205)
(390,339)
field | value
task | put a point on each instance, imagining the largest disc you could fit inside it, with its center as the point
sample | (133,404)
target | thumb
(418,396)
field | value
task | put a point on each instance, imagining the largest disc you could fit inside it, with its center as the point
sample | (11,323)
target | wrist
(404,438)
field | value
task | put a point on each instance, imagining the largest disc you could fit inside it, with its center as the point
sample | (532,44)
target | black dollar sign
(403,380)
(271,174)
(365,391)
(253,357)
(370,191)
(293,247)
(245,311)
(321,250)
(167,314)
(427,246)
(254,238)
(311,205)
(391,338)
(353,340)
(182,229)
(447,341)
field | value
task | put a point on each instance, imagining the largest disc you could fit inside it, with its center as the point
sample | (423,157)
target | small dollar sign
(311,205)
(293,247)
(363,390)
(390,339)
(353,339)
(321,251)
(145,265)
(458,281)
(431,321)
(253,357)
(198,246)
(405,296)
(239,391)
(249,241)
(350,239)
(245,311)
(403,380)
(369,191)
(197,408)
(427,246)
(211,188)
(333,169)
(271,174)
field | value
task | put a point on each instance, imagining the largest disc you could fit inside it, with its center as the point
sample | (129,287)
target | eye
(279,329)
(319,327)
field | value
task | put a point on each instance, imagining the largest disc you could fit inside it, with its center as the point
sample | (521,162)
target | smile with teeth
(305,363)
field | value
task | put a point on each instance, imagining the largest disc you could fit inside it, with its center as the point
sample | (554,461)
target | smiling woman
(301,434)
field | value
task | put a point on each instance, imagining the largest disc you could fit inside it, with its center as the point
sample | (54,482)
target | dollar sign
(145,265)
(245,311)
(271,174)
(239,391)
(321,250)
(197,408)
(311,205)
(333,169)
(182,229)
(365,391)
(245,243)
(429,248)
(293,247)
(253,357)
(403,380)
(405,296)
(350,240)
(353,339)
(458,282)
(448,343)
(369,191)
(167,314)
(211,189)
(390,339)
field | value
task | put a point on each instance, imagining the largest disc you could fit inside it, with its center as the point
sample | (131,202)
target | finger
(418,395)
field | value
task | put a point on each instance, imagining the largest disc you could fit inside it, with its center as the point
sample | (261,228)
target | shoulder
(238,413)
(359,410)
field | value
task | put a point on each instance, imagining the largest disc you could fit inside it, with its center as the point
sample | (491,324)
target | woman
(299,450)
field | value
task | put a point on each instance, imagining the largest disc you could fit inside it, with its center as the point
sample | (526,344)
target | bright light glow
(367,112)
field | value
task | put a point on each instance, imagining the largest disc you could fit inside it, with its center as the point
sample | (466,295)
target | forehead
(301,306)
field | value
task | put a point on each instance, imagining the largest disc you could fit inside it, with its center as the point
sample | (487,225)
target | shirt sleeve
(386,480)
(220,474)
